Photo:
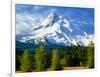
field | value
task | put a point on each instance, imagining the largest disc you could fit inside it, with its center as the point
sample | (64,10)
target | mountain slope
(58,30)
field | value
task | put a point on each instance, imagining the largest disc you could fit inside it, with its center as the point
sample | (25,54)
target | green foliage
(83,56)
(74,55)
(56,60)
(75,59)
(90,57)
(66,60)
(18,62)
(27,61)
(40,58)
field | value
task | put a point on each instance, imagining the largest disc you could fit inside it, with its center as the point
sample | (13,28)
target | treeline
(56,59)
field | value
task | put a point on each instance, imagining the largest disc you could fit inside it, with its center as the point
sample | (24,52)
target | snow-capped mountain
(58,30)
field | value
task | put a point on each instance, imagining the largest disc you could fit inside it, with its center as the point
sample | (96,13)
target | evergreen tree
(18,62)
(55,60)
(90,56)
(26,62)
(40,58)
(66,60)
(83,56)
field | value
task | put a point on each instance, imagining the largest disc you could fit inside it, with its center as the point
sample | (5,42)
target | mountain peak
(50,19)
(58,30)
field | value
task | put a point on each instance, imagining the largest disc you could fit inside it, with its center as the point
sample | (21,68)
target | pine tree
(26,62)
(90,56)
(83,56)
(56,60)
(66,60)
(40,58)
(18,62)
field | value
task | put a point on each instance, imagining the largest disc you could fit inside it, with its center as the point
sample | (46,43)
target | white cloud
(25,22)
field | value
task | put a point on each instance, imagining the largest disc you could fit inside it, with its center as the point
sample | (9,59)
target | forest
(55,59)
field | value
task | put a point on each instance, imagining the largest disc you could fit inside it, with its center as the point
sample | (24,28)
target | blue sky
(29,16)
